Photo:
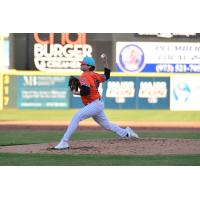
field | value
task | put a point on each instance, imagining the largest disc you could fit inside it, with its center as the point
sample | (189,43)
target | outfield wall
(39,90)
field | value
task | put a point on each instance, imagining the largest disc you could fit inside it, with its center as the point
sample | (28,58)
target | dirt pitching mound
(147,146)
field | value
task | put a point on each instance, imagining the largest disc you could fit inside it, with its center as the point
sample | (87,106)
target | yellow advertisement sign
(1,51)
(1,68)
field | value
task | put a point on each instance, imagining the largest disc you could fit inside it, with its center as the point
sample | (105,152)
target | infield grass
(10,159)
(8,138)
(113,115)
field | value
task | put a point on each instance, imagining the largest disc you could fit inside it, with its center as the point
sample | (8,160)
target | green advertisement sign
(43,92)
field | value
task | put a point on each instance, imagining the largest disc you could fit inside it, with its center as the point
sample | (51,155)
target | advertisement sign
(162,57)
(153,93)
(43,92)
(185,93)
(137,93)
(119,92)
(1,51)
(58,52)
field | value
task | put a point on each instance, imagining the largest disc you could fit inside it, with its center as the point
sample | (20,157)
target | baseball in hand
(103,55)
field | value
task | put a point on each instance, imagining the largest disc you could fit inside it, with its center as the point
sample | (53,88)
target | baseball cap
(88,61)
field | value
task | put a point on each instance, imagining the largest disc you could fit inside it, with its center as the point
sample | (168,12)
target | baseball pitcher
(87,88)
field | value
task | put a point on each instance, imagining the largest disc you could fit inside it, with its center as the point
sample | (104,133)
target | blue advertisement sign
(76,102)
(160,57)
(153,93)
(43,92)
(137,93)
(120,92)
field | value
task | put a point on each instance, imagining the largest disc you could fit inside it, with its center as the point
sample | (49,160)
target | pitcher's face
(84,67)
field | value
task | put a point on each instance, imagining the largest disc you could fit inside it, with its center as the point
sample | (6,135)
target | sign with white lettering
(60,55)
(137,93)
(43,92)
(162,57)
(153,93)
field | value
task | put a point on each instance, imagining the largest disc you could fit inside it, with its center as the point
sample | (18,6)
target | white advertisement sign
(185,93)
(166,57)
(120,90)
(152,90)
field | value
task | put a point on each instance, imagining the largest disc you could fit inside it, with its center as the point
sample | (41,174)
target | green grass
(113,115)
(10,159)
(172,134)
(39,137)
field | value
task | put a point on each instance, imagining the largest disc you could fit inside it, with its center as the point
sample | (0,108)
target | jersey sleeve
(101,77)
(84,81)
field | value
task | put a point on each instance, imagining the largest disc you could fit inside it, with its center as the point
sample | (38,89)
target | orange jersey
(91,80)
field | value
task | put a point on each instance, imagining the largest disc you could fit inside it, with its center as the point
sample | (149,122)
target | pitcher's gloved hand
(74,83)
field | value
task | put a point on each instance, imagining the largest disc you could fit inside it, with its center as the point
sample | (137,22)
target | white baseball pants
(94,110)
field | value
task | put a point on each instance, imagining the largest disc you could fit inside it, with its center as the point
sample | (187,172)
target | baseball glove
(74,83)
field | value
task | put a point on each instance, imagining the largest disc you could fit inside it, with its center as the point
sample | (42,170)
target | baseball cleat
(131,133)
(61,146)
